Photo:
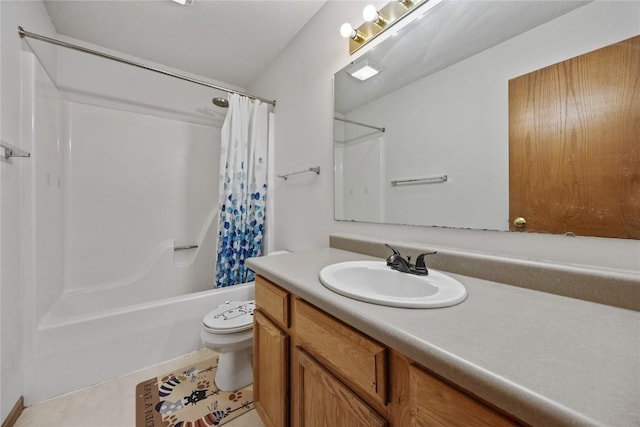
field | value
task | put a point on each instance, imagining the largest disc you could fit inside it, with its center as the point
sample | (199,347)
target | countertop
(547,359)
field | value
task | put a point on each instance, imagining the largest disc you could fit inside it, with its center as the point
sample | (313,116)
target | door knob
(520,222)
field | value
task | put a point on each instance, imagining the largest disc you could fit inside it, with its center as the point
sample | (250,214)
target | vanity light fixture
(376,21)
(184,2)
(363,70)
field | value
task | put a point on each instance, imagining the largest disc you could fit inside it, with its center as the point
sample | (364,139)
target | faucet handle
(420,264)
(395,251)
(391,259)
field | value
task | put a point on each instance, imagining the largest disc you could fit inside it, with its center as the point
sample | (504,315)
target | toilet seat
(231,317)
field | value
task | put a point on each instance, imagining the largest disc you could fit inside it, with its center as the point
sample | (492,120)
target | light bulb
(370,13)
(347,31)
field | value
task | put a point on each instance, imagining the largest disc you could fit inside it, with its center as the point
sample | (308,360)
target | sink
(374,282)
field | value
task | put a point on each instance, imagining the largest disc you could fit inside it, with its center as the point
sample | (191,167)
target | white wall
(2,415)
(32,16)
(300,80)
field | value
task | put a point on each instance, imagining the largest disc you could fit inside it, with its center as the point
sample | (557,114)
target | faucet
(396,262)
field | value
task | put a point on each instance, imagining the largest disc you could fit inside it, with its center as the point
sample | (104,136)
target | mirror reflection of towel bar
(425,180)
(182,248)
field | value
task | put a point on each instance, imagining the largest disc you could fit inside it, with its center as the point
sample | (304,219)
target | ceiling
(227,41)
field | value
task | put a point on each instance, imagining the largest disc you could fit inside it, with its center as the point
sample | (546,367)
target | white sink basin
(376,283)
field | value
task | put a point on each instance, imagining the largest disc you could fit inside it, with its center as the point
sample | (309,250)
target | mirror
(426,141)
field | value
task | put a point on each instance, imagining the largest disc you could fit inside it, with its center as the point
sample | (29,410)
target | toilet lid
(230,317)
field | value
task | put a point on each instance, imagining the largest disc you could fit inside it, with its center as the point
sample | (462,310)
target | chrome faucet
(396,262)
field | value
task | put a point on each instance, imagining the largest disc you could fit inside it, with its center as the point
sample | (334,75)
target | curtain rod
(360,124)
(23,33)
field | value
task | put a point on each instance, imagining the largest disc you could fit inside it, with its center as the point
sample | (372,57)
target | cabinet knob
(520,222)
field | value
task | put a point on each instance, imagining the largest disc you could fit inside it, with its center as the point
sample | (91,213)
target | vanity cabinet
(311,369)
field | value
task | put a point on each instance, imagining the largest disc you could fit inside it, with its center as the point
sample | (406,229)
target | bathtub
(77,349)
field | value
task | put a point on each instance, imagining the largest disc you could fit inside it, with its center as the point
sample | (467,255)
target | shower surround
(113,186)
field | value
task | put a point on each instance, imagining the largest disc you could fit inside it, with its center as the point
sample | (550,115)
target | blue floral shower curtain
(243,186)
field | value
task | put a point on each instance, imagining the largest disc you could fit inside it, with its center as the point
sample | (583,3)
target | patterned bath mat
(188,397)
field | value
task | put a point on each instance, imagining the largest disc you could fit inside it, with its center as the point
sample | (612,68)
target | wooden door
(435,403)
(320,400)
(574,145)
(270,371)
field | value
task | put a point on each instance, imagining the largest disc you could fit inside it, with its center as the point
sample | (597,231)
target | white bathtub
(82,348)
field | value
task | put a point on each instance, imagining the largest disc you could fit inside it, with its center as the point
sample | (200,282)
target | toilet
(228,330)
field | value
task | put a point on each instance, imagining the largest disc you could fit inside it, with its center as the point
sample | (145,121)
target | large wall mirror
(426,141)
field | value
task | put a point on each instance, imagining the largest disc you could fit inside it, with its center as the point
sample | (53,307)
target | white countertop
(547,359)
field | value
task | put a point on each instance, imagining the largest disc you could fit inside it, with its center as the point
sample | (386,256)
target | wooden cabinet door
(320,400)
(574,145)
(435,403)
(270,371)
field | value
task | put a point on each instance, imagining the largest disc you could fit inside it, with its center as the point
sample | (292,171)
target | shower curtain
(243,187)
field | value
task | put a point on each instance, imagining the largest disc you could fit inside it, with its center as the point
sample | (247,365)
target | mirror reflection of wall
(453,119)
(361,184)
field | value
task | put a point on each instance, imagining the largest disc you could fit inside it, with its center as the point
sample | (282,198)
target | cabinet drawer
(352,356)
(273,301)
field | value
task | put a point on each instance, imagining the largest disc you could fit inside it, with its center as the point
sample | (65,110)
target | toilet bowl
(228,330)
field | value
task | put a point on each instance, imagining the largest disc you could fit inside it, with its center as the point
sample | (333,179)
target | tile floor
(111,403)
